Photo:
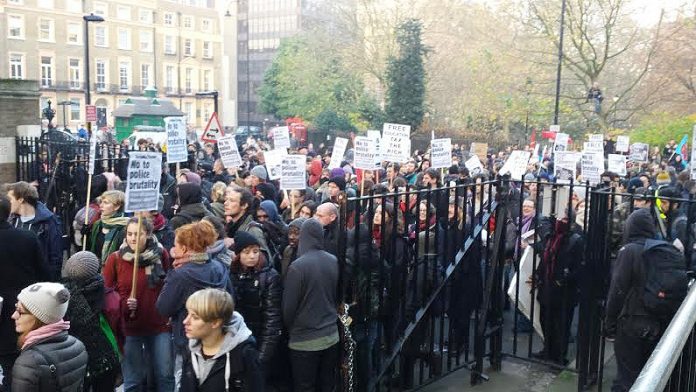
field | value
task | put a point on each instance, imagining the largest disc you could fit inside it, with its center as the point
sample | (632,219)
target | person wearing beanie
(334,187)
(191,207)
(187,176)
(86,286)
(49,356)
(663,179)
(257,295)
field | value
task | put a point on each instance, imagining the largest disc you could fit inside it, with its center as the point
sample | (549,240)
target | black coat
(257,297)
(21,265)
(245,372)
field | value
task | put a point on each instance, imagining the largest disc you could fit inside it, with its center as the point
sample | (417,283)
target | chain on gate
(349,347)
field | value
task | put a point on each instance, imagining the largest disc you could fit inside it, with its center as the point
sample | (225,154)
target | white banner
(229,153)
(281,137)
(622,144)
(176,139)
(597,137)
(516,164)
(440,153)
(377,137)
(142,187)
(274,159)
(363,154)
(339,150)
(592,166)
(639,152)
(396,142)
(561,142)
(616,163)
(593,147)
(92,156)
(525,297)
(293,172)
(474,165)
(565,165)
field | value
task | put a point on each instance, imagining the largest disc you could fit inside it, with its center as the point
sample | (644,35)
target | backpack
(666,278)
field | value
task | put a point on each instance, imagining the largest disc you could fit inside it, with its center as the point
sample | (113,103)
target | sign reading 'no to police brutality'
(293,172)
(440,153)
(229,153)
(176,139)
(142,188)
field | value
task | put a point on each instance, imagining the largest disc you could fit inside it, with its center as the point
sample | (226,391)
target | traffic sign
(213,130)
(90,113)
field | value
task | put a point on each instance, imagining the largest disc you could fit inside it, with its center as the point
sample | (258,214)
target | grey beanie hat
(260,172)
(82,265)
(47,301)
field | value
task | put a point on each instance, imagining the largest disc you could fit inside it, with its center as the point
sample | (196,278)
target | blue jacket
(181,283)
(46,226)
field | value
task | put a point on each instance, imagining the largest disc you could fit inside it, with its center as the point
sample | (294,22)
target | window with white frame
(74,34)
(123,12)
(145,41)
(145,15)
(188,109)
(74,73)
(46,4)
(75,109)
(100,66)
(206,25)
(188,22)
(169,19)
(101,36)
(124,75)
(207,79)
(145,75)
(16,2)
(46,30)
(46,71)
(169,78)
(124,38)
(15,26)
(207,111)
(101,9)
(16,66)
(188,47)
(207,49)
(73,5)
(188,76)
(169,47)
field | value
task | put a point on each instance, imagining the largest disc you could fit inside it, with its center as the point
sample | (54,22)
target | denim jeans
(365,336)
(315,371)
(134,366)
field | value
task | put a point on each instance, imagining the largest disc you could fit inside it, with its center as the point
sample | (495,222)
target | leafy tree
(406,77)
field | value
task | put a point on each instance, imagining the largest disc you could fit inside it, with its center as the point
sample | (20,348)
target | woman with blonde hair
(217,199)
(223,353)
(108,232)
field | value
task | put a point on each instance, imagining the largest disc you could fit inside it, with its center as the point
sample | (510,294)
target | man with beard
(239,214)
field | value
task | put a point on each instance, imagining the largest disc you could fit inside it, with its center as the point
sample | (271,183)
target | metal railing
(665,370)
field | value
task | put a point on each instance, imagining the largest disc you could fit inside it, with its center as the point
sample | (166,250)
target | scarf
(233,226)
(110,226)
(45,332)
(158,222)
(149,258)
(553,247)
(219,252)
(198,258)
(377,235)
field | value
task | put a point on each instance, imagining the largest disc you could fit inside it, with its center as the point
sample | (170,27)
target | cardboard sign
(281,137)
(293,172)
(565,166)
(176,139)
(693,155)
(92,155)
(213,130)
(363,155)
(616,163)
(561,142)
(142,187)
(593,147)
(480,150)
(639,152)
(622,144)
(396,142)
(516,164)
(597,137)
(474,165)
(592,166)
(440,153)
(339,150)
(229,153)
(274,159)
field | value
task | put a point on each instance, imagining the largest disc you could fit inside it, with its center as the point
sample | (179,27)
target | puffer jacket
(57,363)
(257,296)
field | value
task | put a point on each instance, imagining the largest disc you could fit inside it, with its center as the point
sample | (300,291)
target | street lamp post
(88,98)
(49,113)
(560,64)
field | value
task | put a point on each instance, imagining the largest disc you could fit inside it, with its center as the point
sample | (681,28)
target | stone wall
(19,106)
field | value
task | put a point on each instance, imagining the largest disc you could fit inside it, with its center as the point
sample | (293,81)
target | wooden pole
(362,185)
(89,195)
(178,170)
(135,262)
(293,210)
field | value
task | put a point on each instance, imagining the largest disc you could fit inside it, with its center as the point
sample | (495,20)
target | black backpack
(666,278)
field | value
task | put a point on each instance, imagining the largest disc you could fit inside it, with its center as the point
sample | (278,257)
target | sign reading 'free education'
(142,188)
(396,142)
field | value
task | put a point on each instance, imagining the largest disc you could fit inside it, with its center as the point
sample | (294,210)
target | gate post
(19,106)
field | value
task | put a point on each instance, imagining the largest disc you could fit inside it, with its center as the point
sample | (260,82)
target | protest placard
(616,163)
(92,155)
(593,146)
(363,155)
(474,165)
(176,139)
(639,152)
(229,153)
(142,187)
(273,160)
(596,137)
(622,144)
(377,137)
(440,153)
(561,142)
(480,150)
(693,155)
(339,149)
(293,172)
(592,166)
(281,137)
(522,295)
(555,128)
(516,164)
(565,165)
(396,142)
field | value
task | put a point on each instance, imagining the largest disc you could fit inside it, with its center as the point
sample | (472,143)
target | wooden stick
(178,170)
(293,210)
(362,184)
(135,262)
(89,194)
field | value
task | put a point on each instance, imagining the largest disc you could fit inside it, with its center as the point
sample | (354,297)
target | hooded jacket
(181,283)
(46,226)
(235,367)
(309,296)
(191,208)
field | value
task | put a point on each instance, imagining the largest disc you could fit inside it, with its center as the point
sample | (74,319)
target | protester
(108,232)
(239,214)
(327,215)
(191,208)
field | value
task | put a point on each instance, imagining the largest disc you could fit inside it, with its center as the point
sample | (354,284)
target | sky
(647,12)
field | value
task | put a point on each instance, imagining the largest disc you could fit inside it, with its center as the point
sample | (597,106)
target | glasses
(20,311)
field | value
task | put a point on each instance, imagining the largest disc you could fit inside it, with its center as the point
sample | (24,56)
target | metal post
(88,98)
(560,63)
(215,101)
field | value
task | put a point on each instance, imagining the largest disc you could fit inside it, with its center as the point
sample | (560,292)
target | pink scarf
(44,332)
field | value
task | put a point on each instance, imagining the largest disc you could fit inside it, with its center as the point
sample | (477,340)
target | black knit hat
(243,239)
(340,182)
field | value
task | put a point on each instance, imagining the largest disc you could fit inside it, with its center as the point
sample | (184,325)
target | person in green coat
(108,232)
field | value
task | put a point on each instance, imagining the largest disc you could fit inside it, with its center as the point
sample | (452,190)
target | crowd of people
(239,284)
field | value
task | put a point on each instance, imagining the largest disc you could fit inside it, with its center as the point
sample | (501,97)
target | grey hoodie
(237,332)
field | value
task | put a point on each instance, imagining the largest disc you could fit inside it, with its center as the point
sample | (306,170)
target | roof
(138,106)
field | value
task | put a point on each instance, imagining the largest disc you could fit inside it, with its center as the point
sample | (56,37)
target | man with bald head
(327,215)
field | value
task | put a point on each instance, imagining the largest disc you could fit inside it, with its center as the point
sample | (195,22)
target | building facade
(173,45)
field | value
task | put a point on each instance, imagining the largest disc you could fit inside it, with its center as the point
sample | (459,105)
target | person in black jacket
(21,264)
(636,330)
(257,295)
(223,351)
(191,208)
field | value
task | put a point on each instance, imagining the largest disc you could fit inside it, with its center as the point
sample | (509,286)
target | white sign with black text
(396,142)
(622,143)
(229,153)
(440,153)
(592,166)
(364,153)
(92,156)
(561,142)
(516,164)
(474,165)
(142,187)
(293,172)
(565,165)
(274,159)
(616,163)
(176,139)
(281,137)
(339,149)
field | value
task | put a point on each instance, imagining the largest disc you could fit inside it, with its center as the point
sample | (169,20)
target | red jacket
(118,274)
